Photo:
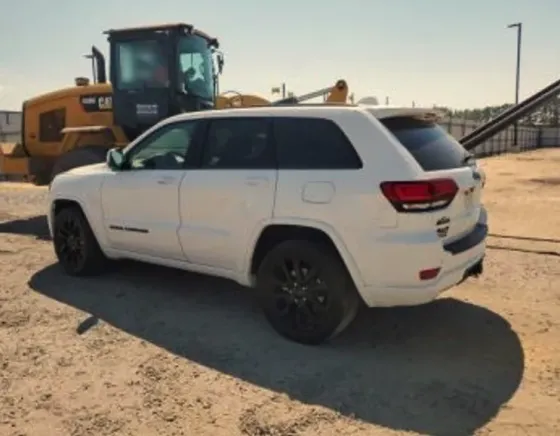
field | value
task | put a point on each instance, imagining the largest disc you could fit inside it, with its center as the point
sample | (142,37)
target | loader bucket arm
(336,94)
(510,116)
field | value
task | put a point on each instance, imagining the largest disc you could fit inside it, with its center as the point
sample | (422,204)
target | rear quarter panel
(349,202)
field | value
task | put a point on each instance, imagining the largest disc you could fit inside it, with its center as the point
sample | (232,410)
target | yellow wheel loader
(154,71)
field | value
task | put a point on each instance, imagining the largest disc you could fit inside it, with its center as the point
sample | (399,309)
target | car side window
(238,143)
(313,144)
(165,149)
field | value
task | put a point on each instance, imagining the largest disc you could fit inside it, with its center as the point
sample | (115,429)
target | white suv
(319,207)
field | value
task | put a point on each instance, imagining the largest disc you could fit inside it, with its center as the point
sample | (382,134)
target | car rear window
(432,147)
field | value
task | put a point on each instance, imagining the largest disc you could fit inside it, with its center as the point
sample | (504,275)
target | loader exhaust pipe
(99,65)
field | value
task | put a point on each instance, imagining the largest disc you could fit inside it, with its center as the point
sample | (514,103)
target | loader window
(141,63)
(196,67)
(51,124)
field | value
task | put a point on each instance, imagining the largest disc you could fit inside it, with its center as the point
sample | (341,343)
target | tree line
(548,114)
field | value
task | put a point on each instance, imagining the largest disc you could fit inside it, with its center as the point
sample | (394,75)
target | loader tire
(41,179)
(79,157)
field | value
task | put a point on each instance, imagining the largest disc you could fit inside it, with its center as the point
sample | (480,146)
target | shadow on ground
(31,226)
(442,368)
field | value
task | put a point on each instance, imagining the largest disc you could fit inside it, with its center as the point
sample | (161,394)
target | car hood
(97,168)
(76,179)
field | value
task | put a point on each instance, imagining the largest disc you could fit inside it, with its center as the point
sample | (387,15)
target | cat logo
(97,103)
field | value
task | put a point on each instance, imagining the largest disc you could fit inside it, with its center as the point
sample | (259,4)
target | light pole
(517,72)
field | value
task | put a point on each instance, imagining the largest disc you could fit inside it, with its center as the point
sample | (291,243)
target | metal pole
(518,66)
(517,75)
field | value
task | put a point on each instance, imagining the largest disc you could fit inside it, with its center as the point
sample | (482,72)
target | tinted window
(165,149)
(140,64)
(238,143)
(313,143)
(431,146)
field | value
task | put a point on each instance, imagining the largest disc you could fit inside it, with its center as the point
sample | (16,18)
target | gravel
(148,351)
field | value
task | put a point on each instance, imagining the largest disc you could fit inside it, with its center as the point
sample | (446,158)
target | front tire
(75,245)
(306,292)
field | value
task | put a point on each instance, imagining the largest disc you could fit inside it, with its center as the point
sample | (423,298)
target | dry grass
(149,351)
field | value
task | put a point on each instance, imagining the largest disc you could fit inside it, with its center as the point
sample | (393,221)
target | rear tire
(86,155)
(75,245)
(306,292)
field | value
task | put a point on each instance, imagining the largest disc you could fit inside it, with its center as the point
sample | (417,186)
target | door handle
(166,180)
(255,181)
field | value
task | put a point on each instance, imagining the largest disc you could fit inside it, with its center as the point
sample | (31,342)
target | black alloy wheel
(75,245)
(70,242)
(306,292)
(301,296)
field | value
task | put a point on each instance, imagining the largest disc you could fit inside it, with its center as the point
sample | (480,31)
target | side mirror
(115,159)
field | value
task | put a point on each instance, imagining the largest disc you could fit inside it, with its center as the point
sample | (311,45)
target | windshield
(196,67)
(141,63)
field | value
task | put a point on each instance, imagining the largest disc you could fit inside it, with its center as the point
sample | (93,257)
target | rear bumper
(474,238)
(401,286)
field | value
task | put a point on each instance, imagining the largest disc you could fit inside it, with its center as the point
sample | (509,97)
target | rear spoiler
(382,112)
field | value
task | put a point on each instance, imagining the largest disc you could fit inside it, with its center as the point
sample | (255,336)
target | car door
(141,202)
(231,195)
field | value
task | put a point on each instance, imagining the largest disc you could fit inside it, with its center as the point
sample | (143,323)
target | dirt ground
(150,351)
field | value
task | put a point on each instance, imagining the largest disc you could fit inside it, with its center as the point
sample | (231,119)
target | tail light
(420,195)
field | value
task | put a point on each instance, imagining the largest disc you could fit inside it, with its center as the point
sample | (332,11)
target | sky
(447,52)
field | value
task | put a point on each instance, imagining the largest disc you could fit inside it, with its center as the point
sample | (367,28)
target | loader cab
(160,71)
